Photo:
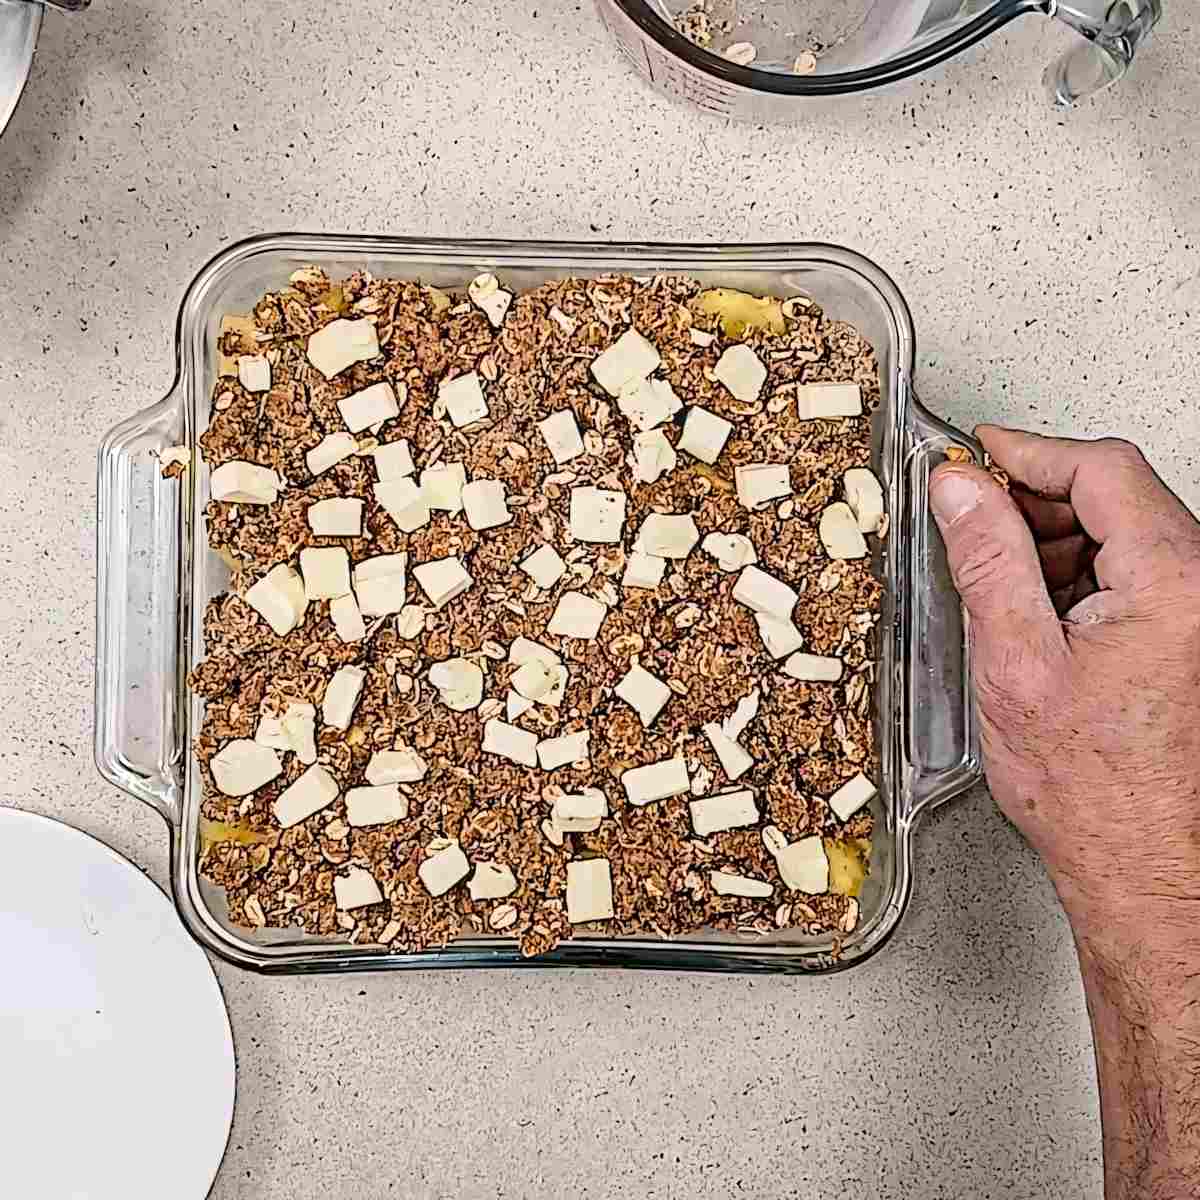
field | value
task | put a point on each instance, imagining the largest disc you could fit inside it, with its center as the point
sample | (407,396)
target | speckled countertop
(1051,263)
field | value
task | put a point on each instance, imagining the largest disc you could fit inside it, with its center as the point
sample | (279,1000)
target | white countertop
(1052,266)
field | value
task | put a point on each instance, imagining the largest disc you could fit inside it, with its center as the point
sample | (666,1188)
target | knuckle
(979,568)
(1122,454)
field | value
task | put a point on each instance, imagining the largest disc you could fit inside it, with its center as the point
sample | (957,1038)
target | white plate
(19,25)
(116,1057)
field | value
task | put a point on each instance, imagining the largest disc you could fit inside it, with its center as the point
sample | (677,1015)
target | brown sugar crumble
(446,740)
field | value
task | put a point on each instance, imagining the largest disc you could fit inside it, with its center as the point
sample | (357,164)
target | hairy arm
(1083,589)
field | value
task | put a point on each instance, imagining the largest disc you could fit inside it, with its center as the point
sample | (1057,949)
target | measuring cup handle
(1113,32)
(138,544)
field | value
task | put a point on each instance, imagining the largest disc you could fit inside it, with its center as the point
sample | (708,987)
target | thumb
(996,570)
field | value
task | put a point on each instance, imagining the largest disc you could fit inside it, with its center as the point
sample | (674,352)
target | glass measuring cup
(762,59)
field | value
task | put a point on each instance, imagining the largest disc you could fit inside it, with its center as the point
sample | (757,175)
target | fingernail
(952,494)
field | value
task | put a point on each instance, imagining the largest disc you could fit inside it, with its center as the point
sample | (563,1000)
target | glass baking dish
(155,575)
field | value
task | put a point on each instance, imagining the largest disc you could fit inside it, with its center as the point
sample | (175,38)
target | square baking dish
(155,575)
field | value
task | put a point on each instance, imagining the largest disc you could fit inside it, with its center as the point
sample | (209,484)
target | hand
(1083,590)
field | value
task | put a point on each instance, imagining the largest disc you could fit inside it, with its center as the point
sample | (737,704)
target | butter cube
(242,766)
(840,534)
(509,742)
(341,344)
(653,456)
(804,866)
(630,359)
(464,399)
(644,693)
(765,594)
(813,668)
(337,517)
(254,373)
(379,804)
(485,504)
(828,401)
(396,766)
(589,890)
(667,535)
(597,514)
(442,486)
(577,616)
(490,298)
(544,566)
(561,751)
(865,498)
(579,812)
(656,781)
(492,881)
(740,885)
(851,796)
(443,579)
(779,637)
(704,434)
(240,482)
(372,406)
(314,790)
(380,584)
(278,597)
(726,810)
(326,571)
(760,483)
(742,373)
(347,618)
(341,696)
(332,449)
(643,571)
(649,403)
(735,761)
(404,502)
(560,432)
(356,889)
(393,460)
(459,683)
(443,870)
(733,551)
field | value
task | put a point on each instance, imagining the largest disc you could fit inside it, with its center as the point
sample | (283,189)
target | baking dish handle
(138,532)
(941,739)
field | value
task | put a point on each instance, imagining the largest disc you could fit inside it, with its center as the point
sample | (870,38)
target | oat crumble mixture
(533,355)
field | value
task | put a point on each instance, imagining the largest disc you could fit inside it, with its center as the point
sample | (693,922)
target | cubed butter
(840,534)
(667,535)
(735,761)
(589,890)
(507,741)
(851,796)
(765,594)
(813,668)
(733,551)
(742,373)
(643,570)
(597,514)
(577,616)
(380,583)
(726,810)
(356,889)
(332,449)
(336,517)
(804,866)
(725,884)
(243,766)
(240,482)
(649,403)
(443,580)
(403,501)
(341,344)
(347,618)
(656,781)
(341,696)
(314,790)
(254,373)
(644,693)
(560,432)
(865,498)
(442,486)
(464,399)
(444,870)
(326,571)
(459,682)
(704,434)
(652,456)
(492,881)
(760,483)
(544,566)
(579,812)
(396,766)
(393,460)
(379,804)
(828,401)
(371,406)
(278,597)
(779,638)
(630,359)
(485,504)
(563,750)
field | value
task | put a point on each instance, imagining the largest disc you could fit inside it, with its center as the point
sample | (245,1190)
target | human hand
(1083,590)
